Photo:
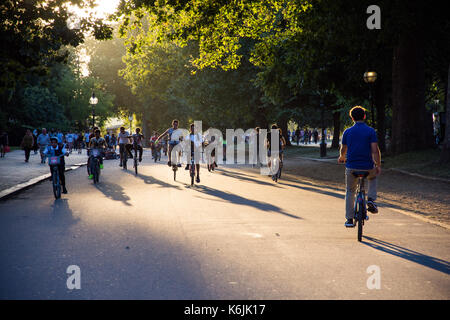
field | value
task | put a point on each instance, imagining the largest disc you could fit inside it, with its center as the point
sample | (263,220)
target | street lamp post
(323,143)
(370,77)
(93,101)
(131,123)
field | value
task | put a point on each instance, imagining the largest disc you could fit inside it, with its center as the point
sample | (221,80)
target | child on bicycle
(56,149)
(360,152)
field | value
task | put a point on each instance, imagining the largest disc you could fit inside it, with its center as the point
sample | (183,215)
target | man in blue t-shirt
(360,144)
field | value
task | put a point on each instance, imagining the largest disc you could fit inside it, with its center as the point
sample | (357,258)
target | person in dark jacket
(27,144)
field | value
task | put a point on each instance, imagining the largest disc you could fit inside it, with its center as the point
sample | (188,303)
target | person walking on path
(3,143)
(27,144)
(43,141)
(35,135)
(360,152)
(298,134)
(315,136)
(80,144)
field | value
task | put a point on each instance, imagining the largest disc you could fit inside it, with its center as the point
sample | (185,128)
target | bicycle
(157,153)
(54,162)
(276,163)
(175,165)
(136,162)
(211,162)
(360,202)
(95,164)
(192,169)
(124,157)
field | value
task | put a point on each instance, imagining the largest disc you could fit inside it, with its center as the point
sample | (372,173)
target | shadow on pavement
(238,200)
(328,193)
(414,256)
(152,180)
(245,177)
(113,191)
(62,214)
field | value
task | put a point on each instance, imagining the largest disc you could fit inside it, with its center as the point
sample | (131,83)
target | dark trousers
(27,153)
(61,170)
(140,150)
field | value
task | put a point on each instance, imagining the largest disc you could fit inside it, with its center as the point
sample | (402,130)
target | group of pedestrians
(39,140)
(305,136)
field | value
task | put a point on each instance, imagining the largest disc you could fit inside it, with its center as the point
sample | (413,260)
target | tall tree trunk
(410,127)
(445,153)
(336,129)
(380,105)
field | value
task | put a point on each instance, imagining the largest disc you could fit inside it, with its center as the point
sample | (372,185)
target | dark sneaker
(371,206)
(64,190)
(120,164)
(187,167)
(140,159)
(169,163)
(349,223)
(179,165)
(197,180)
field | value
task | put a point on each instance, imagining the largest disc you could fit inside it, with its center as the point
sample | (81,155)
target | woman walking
(27,144)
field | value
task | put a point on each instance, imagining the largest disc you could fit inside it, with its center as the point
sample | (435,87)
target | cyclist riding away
(360,152)
(174,135)
(281,144)
(56,149)
(97,142)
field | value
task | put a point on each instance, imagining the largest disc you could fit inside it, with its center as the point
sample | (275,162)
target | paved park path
(236,235)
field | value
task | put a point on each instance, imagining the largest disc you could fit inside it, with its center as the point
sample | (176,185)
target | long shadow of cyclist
(236,199)
(414,256)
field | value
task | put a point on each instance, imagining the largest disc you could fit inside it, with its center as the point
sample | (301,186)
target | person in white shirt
(124,144)
(69,138)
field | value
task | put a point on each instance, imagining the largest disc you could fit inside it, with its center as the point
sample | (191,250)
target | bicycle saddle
(358,174)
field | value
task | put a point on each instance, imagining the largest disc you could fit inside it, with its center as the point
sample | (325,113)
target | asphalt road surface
(236,235)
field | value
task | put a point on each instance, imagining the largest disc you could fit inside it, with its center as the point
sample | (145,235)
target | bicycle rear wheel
(279,170)
(95,170)
(360,220)
(192,171)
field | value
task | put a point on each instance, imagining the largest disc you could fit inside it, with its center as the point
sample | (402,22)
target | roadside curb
(420,217)
(420,175)
(4,194)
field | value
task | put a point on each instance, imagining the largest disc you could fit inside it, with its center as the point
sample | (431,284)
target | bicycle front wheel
(192,170)
(56,184)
